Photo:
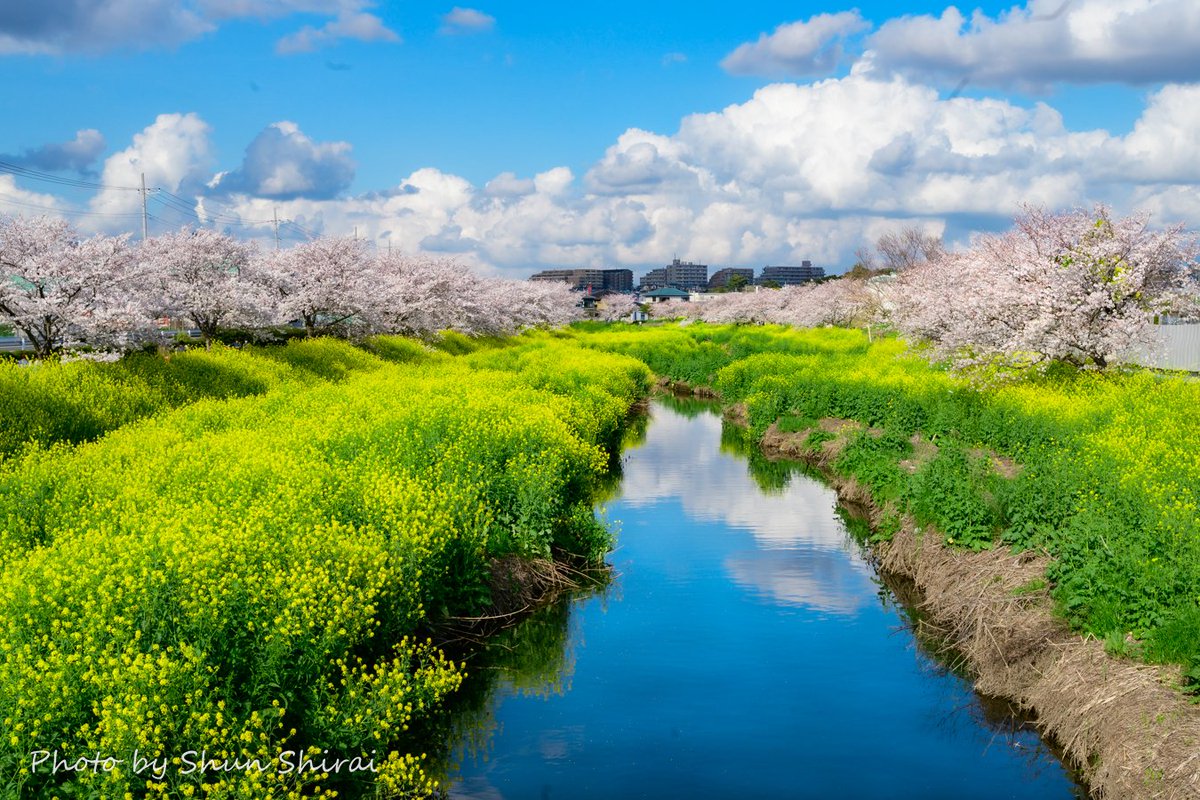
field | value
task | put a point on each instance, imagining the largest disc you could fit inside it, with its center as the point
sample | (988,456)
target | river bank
(1124,725)
(1093,472)
(253,574)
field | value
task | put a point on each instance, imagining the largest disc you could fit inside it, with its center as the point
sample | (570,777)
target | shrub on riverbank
(245,576)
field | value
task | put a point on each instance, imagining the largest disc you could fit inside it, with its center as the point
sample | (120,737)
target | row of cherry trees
(1080,287)
(57,286)
(843,302)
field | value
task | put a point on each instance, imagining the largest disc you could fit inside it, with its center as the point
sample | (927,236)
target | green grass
(51,402)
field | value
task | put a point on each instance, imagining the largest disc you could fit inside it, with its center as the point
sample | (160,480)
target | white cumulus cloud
(174,153)
(283,163)
(55,27)
(798,171)
(1046,42)
(347,25)
(274,9)
(15,200)
(78,154)
(507,184)
(811,47)
(50,27)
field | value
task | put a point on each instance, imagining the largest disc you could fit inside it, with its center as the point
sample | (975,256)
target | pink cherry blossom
(1076,287)
(326,284)
(56,287)
(206,277)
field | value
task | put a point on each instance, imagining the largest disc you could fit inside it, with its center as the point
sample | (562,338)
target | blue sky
(393,119)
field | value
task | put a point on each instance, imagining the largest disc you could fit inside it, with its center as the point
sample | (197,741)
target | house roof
(669,291)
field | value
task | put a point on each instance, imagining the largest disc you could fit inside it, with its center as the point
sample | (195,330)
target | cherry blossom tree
(546,304)
(420,296)
(616,306)
(507,306)
(206,277)
(54,285)
(844,302)
(490,306)
(325,283)
(901,250)
(417,296)
(840,301)
(1078,287)
(674,309)
(752,306)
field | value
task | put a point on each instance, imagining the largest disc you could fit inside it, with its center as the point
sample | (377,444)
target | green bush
(952,492)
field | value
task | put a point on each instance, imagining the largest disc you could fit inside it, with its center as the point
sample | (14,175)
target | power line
(181,206)
(231,213)
(46,177)
(183,216)
(14,201)
(299,228)
(24,172)
(222,214)
(176,206)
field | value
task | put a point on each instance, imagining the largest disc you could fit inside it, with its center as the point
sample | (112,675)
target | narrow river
(745,649)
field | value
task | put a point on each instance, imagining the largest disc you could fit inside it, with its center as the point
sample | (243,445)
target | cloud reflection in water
(801,550)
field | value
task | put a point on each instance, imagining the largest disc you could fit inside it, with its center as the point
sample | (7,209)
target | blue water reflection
(746,650)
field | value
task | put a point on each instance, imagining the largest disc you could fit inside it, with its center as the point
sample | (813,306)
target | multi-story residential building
(577,278)
(608,280)
(655,279)
(792,275)
(618,280)
(678,274)
(720,278)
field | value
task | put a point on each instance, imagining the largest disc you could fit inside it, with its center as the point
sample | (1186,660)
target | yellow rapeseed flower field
(213,585)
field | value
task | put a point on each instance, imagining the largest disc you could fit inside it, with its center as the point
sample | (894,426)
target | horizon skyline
(804,272)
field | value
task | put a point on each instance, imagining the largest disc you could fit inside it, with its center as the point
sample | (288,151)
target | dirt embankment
(1121,723)
(518,586)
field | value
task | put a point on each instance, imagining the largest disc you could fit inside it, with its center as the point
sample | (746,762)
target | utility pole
(276,215)
(356,233)
(145,223)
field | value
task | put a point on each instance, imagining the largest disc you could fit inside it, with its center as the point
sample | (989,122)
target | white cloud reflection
(805,558)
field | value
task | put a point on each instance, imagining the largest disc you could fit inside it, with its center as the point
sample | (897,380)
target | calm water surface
(746,649)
